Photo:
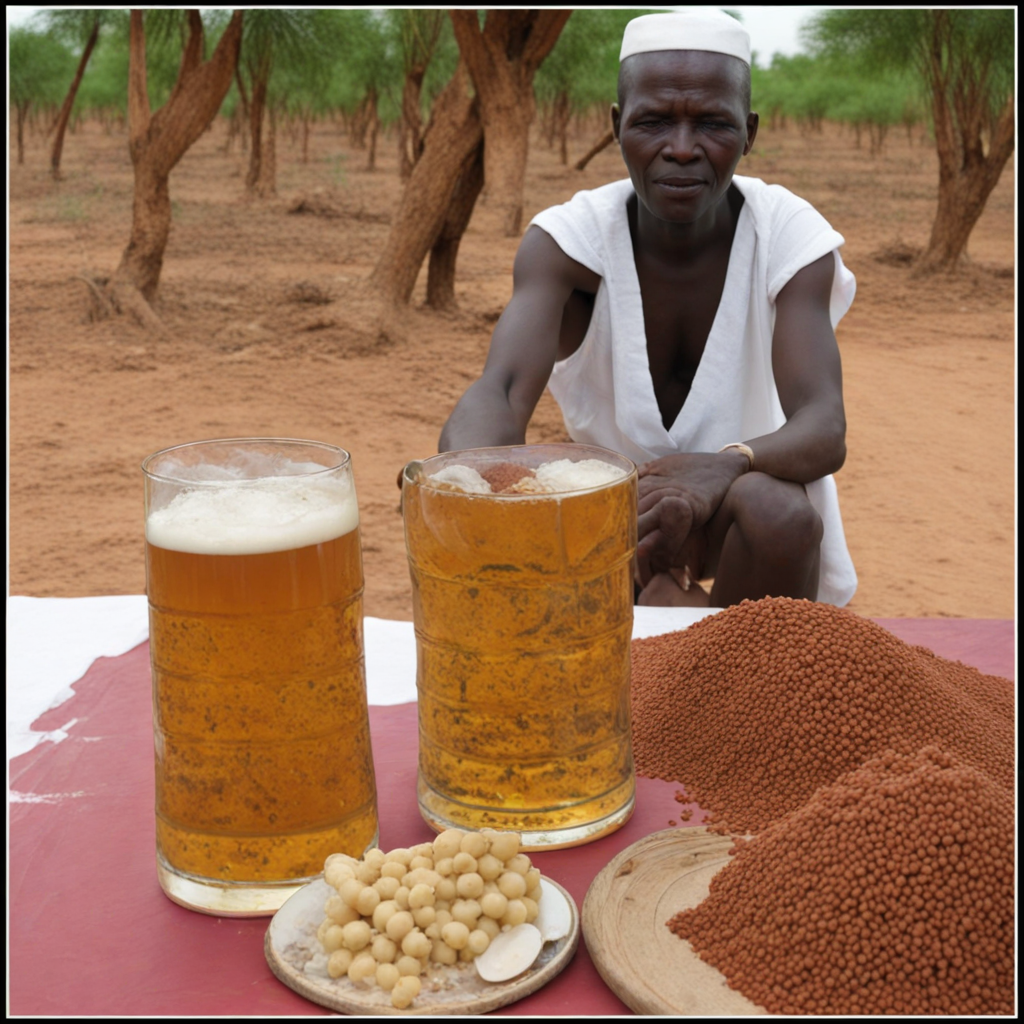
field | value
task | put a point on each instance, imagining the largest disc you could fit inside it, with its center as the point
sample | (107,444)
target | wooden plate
(291,942)
(624,915)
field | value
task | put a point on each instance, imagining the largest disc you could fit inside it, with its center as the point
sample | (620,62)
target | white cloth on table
(605,389)
(52,641)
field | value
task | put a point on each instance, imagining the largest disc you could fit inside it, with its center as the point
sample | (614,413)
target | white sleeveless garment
(605,389)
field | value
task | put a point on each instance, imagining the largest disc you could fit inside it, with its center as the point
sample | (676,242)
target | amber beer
(523,607)
(263,761)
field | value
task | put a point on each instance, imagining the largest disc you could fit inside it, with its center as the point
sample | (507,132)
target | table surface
(91,933)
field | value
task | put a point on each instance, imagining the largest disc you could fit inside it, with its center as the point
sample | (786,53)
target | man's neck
(681,243)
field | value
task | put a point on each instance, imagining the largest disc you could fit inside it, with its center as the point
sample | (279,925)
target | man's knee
(775,516)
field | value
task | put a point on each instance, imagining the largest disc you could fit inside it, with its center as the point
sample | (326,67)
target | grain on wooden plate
(889,891)
(877,780)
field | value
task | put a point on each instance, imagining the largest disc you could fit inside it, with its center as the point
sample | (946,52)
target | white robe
(605,389)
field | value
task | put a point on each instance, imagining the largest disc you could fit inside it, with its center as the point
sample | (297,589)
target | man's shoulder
(586,226)
(602,200)
(769,199)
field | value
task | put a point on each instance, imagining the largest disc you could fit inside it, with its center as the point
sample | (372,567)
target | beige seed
(399,925)
(363,966)
(489,867)
(512,885)
(406,989)
(466,911)
(474,844)
(409,966)
(356,935)
(416,944)
(447,843)
(442,953)
(470,885)
(387,975)
(339,962)
(367,901)
(456,934)
(383,949)
(494,904)
(464,862)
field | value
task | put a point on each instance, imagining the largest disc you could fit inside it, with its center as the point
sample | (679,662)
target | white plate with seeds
(297,959)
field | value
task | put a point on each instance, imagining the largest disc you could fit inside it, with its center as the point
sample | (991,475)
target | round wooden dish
(291,941)
(624,924)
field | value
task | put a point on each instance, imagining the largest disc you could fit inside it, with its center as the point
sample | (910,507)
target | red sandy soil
(270,333)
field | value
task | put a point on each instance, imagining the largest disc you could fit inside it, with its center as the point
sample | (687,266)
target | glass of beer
(255,581)
(521,563)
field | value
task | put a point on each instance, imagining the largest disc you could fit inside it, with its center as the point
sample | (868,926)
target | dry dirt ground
(270,333)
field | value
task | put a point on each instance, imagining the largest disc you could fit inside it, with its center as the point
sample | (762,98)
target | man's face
(683,126)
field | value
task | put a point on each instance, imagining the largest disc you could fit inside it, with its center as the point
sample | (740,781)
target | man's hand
(678,495)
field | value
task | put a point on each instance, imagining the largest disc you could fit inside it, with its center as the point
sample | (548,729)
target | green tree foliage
(104,89)
(79,29)
(364,78)
(38,64)
(812,90)
(426,49)
(584,64)
(581,72)
(964,60)
(442,62)
(282,50)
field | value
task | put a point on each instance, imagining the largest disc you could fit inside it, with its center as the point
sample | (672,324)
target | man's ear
(616,118)
(753,120)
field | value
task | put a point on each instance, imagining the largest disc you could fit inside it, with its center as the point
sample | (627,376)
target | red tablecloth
(91,933)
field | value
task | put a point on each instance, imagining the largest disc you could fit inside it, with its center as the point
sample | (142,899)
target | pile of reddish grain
(502,476)
(754,708)
(890,891)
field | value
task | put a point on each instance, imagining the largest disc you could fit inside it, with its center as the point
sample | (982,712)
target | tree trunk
(61,124)
(410,142)
(373,127)
(502,59)
(22,110)
(602,143)
(243,114)
(963,192)
(968,167)
(561,114)
(507,130)
(254,178)
(451,137)
(266,185)
(156,144)
(358,123)
(443,255)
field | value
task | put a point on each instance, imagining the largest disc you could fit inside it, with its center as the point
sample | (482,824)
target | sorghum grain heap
(890,891)
(754,708)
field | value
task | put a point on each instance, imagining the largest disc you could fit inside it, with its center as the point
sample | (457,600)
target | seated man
(685,318)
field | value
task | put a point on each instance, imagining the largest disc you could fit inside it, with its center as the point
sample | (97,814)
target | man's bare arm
(496,409)
(680,493)
(808,375)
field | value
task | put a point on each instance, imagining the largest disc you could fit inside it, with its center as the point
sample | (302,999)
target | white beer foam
(565,475)
(462,478)
(252,517)
(553,477)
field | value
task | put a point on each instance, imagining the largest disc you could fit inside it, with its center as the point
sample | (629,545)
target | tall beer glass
(523,607)
(255,582)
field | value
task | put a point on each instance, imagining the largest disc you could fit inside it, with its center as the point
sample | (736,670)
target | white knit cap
(700,28)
